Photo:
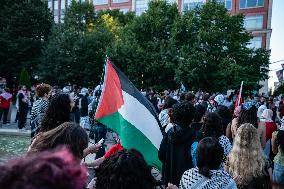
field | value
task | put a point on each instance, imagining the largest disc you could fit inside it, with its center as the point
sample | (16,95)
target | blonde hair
(246,159)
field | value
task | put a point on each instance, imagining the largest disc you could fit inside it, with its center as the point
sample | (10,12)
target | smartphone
(101,141)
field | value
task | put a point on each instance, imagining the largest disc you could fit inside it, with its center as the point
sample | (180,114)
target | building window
(189,5)
(50,4)
(228,4)
(141,6)
(255,42)
(253,22)
(62,4)
(69,2)
(172,1)
(244,4)
(124,10)
(100,2)
(119,1)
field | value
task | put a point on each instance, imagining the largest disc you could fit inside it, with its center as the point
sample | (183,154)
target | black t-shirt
(22,105)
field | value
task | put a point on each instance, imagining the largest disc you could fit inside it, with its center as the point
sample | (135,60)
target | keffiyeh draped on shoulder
(192,179)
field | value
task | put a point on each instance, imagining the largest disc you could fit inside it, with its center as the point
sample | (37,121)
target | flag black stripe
(129,87)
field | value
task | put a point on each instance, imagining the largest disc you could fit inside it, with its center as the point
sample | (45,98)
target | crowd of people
(209,141)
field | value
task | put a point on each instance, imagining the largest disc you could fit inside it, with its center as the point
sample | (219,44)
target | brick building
(257,15)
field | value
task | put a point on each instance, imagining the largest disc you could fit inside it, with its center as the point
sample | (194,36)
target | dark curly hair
(212,125)
(57,112)
(225,113)
(248,116)
(209,155)
(126,169)
(189,96)
(49,170)
(199,113)
(183,113)
(169,102)
(42,89)
(69,134)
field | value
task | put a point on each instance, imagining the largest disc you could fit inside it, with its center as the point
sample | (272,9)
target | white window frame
(196,2)
(253,42)
(225,3)
(143,7)
(101,2)
(120,1)
(253,17)
(246,7)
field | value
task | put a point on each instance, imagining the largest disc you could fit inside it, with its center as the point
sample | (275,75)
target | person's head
(182,97)
(43,90)
(280,139)
(183,113)
(225,113)
(126,169)
(7,90)
(169,102)
(219,99)
(267,115)
(246,158)
(199,113)
(209,155)
(206,97)
(58,112)
(49,170)
(23,88)
(190,97)
(260,110)
(248,114)
(263,100)
(68,133)
(212,125)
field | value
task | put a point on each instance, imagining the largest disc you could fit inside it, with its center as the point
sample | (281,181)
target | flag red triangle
(111,99)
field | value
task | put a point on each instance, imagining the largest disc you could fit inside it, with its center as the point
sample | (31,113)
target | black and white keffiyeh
(192,179)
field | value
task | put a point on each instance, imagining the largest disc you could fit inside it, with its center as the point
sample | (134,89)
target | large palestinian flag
(125,110)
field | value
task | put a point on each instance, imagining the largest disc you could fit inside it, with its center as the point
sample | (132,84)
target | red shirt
(4,103)
(113,150)
(270,128)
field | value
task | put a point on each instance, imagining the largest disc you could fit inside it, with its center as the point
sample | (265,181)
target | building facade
(257,15)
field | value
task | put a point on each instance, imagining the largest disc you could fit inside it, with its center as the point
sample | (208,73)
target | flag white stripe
(139,116)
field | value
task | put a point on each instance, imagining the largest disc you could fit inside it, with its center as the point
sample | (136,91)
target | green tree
(25,78)
(77,48)
(213,52)
(24,28)
(144,51)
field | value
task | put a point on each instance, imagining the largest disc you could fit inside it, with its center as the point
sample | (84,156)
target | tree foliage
(77,48)
(144,51)
(215,56)
(205,49)
(25,78)
(24,28)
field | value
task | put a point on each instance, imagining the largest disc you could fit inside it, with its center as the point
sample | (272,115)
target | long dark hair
(280,139)
(248,116)
(57,112)
(212,125)
(209,155)
(69,134)
(126,169)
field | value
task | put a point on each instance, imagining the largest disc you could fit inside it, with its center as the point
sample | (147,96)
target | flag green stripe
(131,137)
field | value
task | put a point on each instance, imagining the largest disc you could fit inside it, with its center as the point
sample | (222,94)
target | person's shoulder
(190,172)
